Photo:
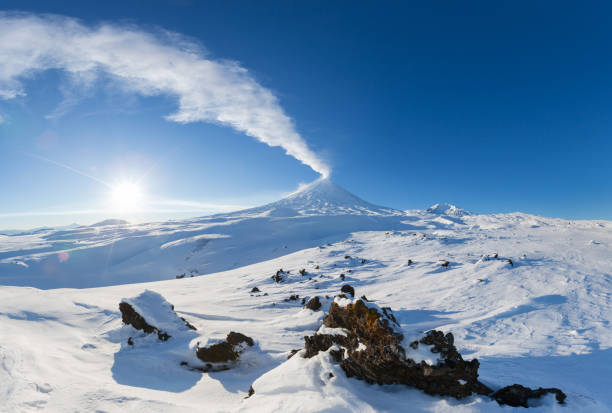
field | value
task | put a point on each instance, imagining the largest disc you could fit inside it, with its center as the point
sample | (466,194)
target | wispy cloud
(149,64)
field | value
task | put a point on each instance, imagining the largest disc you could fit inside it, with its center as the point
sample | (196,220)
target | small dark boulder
(279,276)
(342,277)
(255,290)
(238,338)
(302,272)
(444,264)
(217,353)
(346,288)
(225,351)
(346,257)
(314,303)
(509,261)
(517,395)
(409,262)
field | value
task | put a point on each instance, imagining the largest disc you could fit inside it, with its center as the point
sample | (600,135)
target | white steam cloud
(148,64)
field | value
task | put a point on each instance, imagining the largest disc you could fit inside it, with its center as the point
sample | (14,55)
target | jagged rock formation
(367,342)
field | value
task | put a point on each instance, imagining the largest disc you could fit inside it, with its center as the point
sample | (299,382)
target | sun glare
(126,197)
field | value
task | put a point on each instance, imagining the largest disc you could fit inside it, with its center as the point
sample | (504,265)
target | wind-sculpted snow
(529,297)
(118,254)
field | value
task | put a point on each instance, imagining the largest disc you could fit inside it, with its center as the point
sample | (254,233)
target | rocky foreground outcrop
(367,342)
(150,313)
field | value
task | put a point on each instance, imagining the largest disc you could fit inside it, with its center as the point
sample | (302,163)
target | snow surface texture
(542,320)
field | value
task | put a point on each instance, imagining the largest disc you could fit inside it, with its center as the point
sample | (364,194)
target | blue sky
(492,106)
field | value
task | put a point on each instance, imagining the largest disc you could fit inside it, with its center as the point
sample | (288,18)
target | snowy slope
(545,320)
(101,255)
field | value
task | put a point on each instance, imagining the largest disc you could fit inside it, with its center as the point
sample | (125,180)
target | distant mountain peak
(321,197)
(448,209)
(110,222)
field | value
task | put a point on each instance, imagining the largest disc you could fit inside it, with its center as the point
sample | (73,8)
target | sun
(126,196)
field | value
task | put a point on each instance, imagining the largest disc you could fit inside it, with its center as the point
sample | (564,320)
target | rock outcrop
(151,313)
(367,342)
(220,356)
(313,304)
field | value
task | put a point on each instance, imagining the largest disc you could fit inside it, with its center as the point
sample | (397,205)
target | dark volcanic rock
(254,290)
(217,353)
(313,304)
(348,290)
(237,338)
(131,317)
(225,351)
(517,395)
(382,359)
(279,277)
(251,392)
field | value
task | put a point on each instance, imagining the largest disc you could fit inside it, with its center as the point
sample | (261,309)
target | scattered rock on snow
(346,288)
(255,290)
(238,338)
(314,303)
(151,313)
(279,276)
(517,395)
(224,353)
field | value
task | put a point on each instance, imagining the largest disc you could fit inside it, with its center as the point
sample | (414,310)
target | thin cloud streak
(149,64)
(69,168)
(152,207)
